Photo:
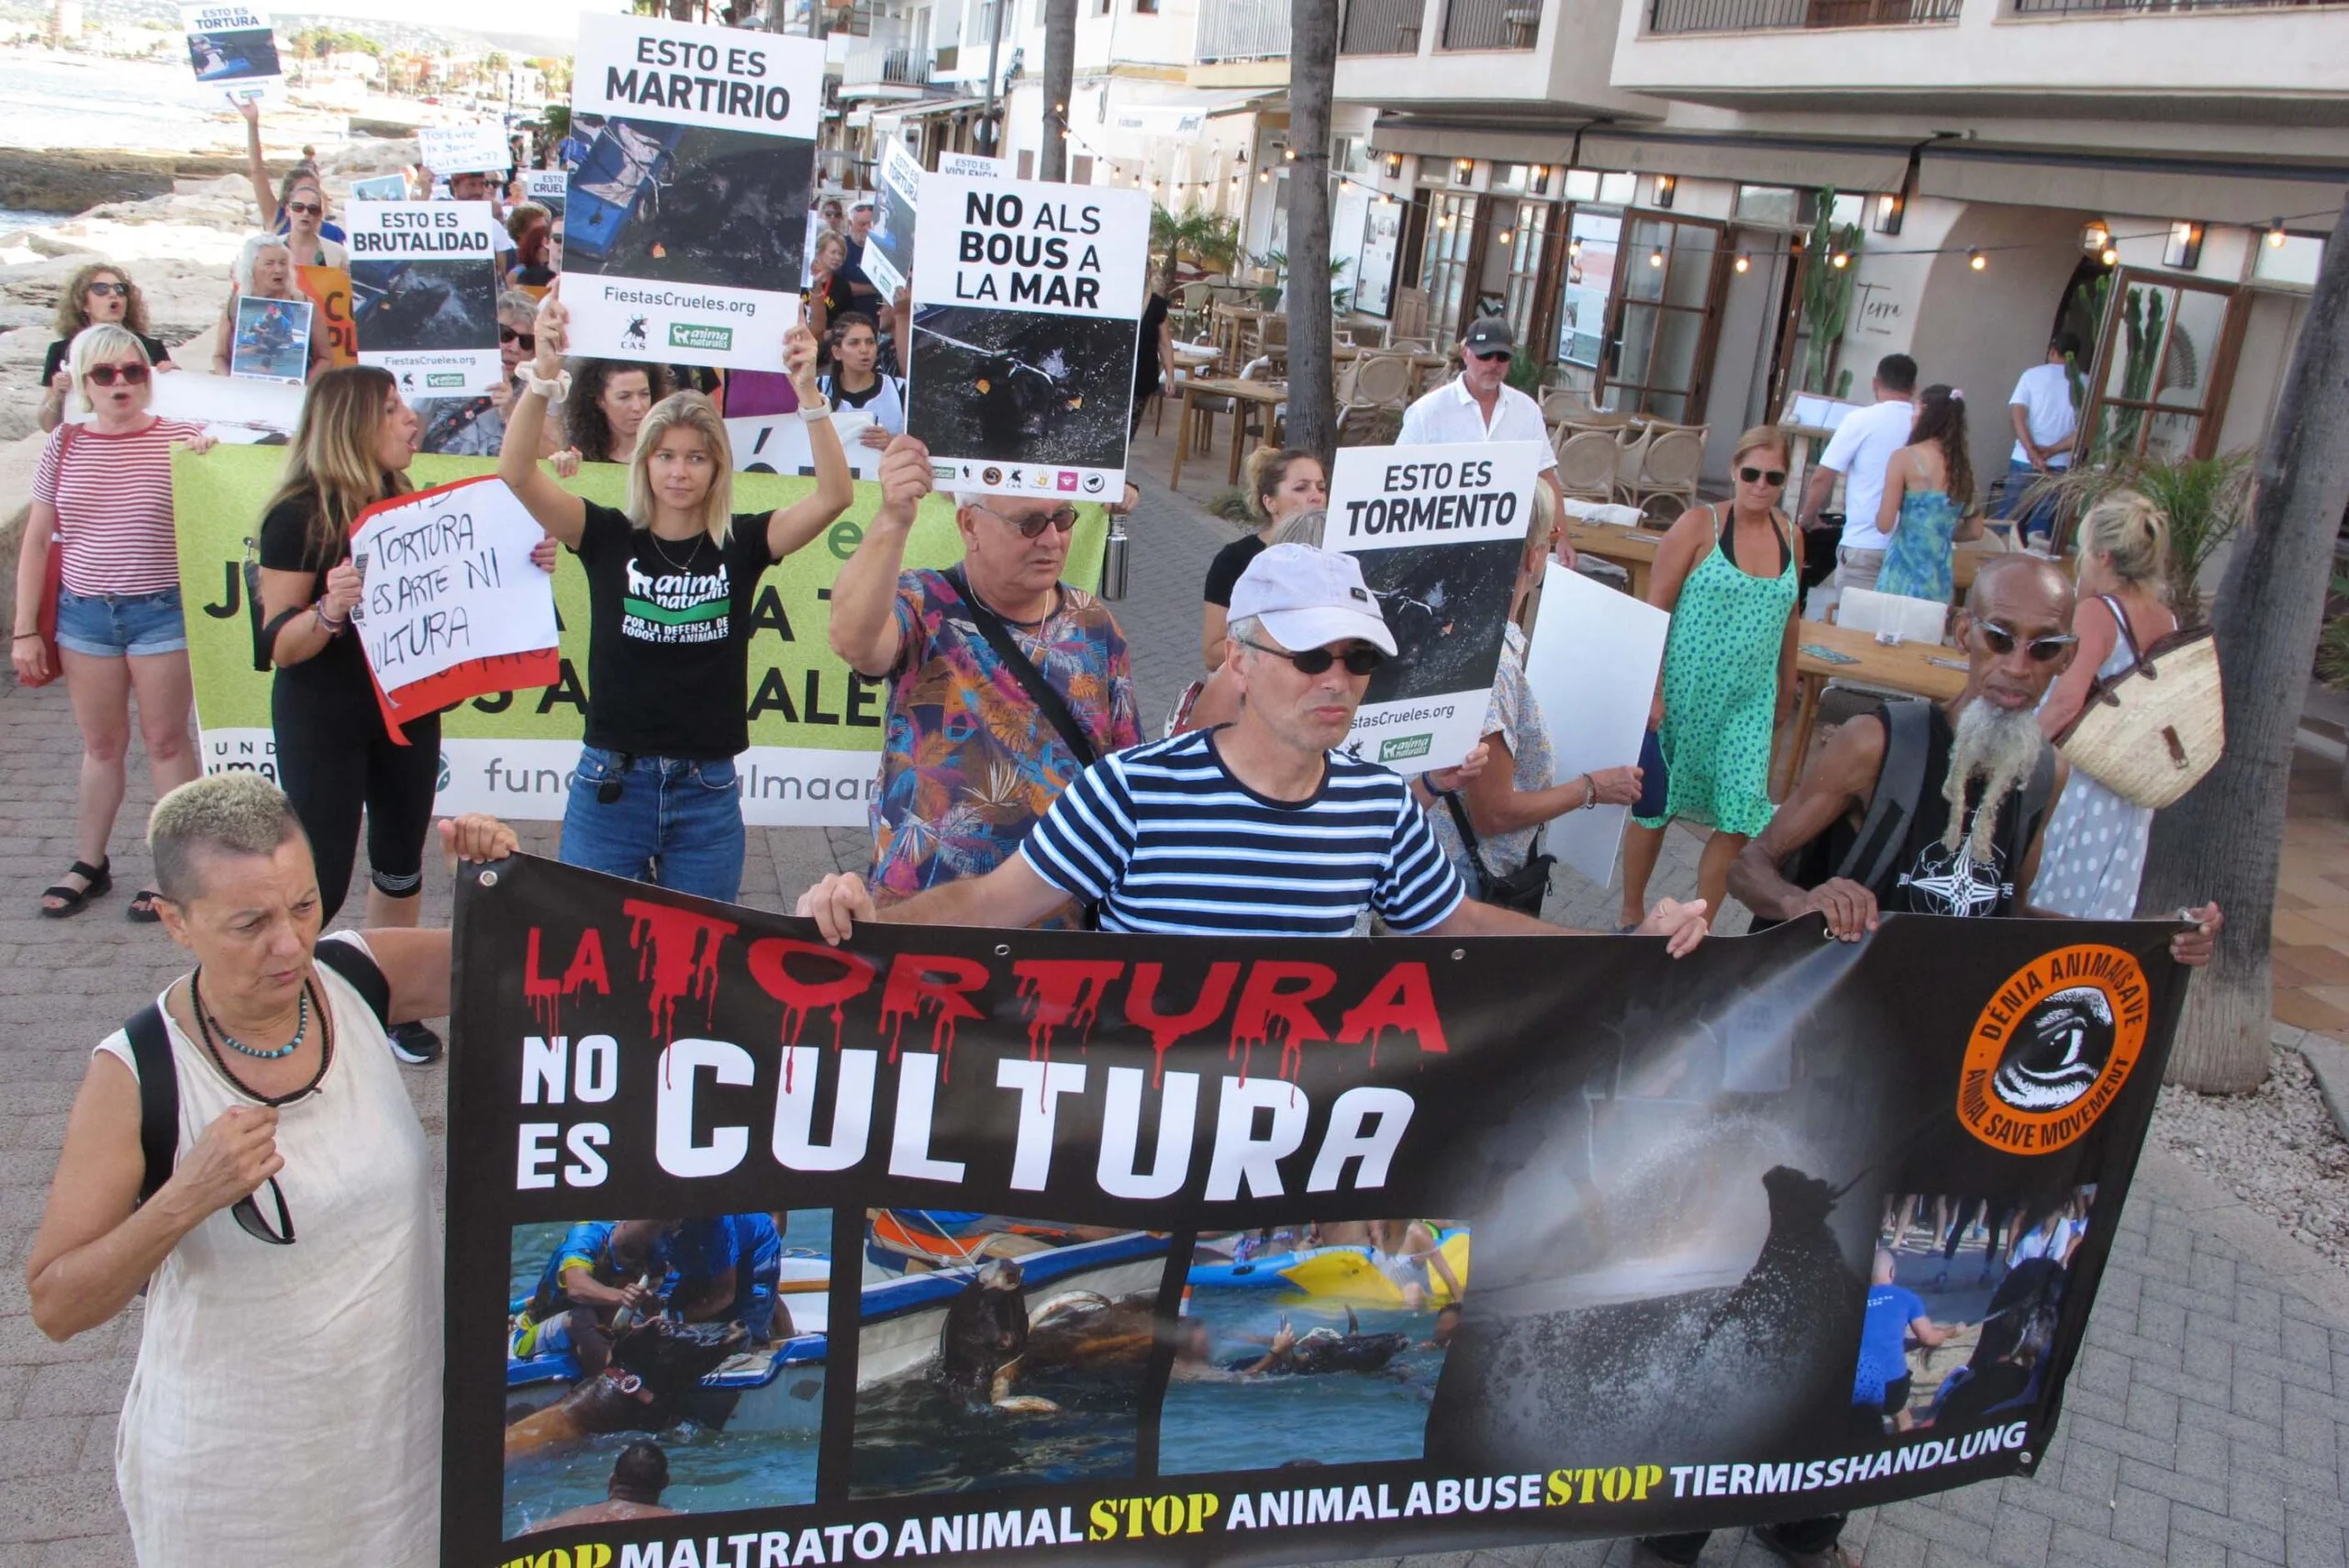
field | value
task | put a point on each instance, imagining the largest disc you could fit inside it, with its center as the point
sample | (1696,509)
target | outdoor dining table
(1267,394)
(1825,652)
(1633,550)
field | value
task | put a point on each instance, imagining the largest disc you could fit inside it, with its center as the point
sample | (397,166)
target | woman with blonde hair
(2095,850)
(1280,485)
(102,496)
(1729,575)
(671,583)
(98,295)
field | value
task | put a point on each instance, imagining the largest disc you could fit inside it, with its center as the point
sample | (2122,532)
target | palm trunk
(1313,69)
(2224,840)
(1060,81)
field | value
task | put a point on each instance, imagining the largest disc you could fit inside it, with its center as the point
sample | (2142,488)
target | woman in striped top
(103,495)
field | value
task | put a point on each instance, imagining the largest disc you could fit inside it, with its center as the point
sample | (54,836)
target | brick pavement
(2207,1422)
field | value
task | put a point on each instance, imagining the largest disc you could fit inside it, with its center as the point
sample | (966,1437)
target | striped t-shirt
(1167,840)
(113,495)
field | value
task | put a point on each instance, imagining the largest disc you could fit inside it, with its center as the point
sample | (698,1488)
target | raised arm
(789,527)
(264,193)
(863,626)
(1844,777)
(555,509)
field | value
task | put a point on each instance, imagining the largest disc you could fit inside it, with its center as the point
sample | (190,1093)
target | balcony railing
(1242,30)
(2154,7)
(1382,27)
(877,61)
(1773,15)
(1491,23)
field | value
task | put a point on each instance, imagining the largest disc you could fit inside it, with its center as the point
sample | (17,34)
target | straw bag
(2151,732)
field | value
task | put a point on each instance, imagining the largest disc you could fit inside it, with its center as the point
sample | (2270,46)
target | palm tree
(1313,73)
(1209,239)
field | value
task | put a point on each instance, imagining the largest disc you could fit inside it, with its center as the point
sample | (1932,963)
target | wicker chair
(1586,464)
(1668,466)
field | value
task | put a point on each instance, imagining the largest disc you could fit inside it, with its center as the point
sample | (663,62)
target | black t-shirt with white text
(668,642)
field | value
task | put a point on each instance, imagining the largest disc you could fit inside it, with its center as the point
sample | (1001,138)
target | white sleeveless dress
(285,1408)
(2094,855)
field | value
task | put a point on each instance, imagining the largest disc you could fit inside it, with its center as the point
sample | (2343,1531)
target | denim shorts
(107,626)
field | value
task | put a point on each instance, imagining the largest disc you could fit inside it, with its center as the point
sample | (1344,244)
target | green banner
(815,724)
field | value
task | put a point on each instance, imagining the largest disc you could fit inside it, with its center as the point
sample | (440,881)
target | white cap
(1309,598)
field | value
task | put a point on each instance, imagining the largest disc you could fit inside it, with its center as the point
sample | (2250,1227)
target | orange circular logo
(2054,1048)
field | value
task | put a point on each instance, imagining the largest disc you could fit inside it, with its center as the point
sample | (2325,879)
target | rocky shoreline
(48,180)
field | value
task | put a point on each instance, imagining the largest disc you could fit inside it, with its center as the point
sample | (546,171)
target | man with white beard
(1968,843)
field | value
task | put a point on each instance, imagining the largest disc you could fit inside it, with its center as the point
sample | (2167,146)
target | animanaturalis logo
(687,334)
(1404,745)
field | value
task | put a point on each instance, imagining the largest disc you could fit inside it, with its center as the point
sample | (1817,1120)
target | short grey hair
(233,813)
(1247,629)
(519,303)
(1301,528)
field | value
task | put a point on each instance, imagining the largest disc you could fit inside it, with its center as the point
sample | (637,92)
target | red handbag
(44,622)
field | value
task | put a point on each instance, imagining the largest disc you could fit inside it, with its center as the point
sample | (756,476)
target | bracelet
(815,413)
(333,626)
(22,635)
(1589,793)
(553,389)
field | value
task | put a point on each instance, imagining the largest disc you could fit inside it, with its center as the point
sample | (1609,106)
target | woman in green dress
(1729,575)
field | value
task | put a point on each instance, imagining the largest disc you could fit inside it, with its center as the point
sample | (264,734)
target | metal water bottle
(1113,560)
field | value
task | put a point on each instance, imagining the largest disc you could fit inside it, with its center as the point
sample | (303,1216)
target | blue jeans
(2021,477)
(677,823)
(108,626)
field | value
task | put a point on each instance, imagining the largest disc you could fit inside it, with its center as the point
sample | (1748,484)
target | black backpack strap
(349,961)
(1031,680)
(1468,839)
(1908,727)
(158,1096)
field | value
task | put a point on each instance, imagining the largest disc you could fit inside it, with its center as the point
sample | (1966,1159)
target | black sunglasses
(129,375)
(529,340)
(1763,476)
(109,290)
(312,209)
(247,1214)
(1488,356)
(1361,659)
(2042,650)
(1061,519)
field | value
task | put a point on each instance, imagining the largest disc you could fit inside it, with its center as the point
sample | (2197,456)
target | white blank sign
(1592,665)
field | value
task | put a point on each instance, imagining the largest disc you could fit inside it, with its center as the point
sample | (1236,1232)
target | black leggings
(334,758)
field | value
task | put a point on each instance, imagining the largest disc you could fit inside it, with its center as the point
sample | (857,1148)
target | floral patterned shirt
(968,765)
(1517,718)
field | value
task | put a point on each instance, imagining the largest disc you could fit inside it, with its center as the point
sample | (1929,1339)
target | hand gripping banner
(952,1245)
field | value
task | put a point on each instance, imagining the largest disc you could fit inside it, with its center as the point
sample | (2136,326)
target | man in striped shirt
(1254,829)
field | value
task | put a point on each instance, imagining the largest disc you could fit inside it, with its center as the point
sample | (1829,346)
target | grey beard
(2000,747)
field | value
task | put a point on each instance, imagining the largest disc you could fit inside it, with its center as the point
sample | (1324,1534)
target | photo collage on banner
(424,292)
(1027,301)
(1181,1252)
(233,47)
(692,200)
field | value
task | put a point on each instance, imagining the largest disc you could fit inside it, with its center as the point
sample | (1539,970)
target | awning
(2206,190)
(1754,159)
(1433,140)
(931,107)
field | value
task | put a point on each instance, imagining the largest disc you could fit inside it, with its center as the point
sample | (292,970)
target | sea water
(84,101)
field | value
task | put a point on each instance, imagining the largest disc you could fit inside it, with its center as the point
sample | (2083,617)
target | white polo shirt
(2044,393)
(1449,416)
(1862,445)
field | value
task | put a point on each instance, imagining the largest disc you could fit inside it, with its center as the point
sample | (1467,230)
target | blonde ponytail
(2133,535)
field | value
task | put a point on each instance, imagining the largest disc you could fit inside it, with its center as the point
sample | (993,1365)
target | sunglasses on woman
(247,1214)
(529,340)
(132,375)
(307,210)
(2042,650)
(1061,519)
(110,290)
(1763,476)
(1361,659)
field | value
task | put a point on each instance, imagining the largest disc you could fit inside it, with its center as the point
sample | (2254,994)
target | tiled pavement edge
(2207,1422)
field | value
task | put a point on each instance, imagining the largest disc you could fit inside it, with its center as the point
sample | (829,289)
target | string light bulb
(2275,235)
(1264,176)
(1839,260)
(1743,262)
(1655,258)
(2109,256)
(1978,262)
(1574,247)
(1508,235)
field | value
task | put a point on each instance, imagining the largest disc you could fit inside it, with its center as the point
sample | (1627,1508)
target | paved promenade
(2207,1422)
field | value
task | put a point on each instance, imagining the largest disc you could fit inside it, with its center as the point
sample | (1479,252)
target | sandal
(142,909)
(96,879)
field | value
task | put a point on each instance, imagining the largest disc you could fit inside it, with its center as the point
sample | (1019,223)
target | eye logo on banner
(2052,1049)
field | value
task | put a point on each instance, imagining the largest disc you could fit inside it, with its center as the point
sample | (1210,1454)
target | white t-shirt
(2046,392)
(1864,444)
(1449,416)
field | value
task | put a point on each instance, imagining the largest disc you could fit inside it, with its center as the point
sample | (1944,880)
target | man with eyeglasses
(1258,828)
(1479,405)
(1005,682)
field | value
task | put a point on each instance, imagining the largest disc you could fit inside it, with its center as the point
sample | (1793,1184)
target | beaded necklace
(207,1023)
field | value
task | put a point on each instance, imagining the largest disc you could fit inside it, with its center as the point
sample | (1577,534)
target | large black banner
(952,1243)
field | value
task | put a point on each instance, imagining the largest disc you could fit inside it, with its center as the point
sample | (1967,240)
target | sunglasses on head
(1763,476)
(308,209)
(248,1216)
(1361,659)
(133,374)
(529,340)
(2045,649)
(110,290)
(1061,519)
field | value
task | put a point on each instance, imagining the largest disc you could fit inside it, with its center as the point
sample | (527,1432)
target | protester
(833,215)
(1280,485)
(530,226)
(1504,803)
(475,427)
(104,488)
(862,295)
(671,583)
(828,296)
(276,215)
(1928,501)
(256,1301)
(605,406)
(98,293)
(264,269)
(301,221)
(2096,840)
(639,1477)
(1479,405)
(2045,422)
(1881,1384)
(971,756)
(1256,829)
(854,384)
(1858,454)
(1729,578)
(1153,358)
(1970,843)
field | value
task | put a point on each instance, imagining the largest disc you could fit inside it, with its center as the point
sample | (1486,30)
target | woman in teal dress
(1928,501)
(1728,574)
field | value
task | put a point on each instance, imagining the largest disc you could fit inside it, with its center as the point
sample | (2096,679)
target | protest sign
(971,164)
(329,290)
(239,412)
(451,606)
(689,210)
(778,444)
(380,188)
(271,340)
(1042,1218)
(1437,531)
(1591,664)
(424,281)
(815,727)
(231,46)
(889,245)
(1027,301)
(547,187)
(477,149)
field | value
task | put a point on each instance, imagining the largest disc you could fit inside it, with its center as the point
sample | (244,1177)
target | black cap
(1489,333)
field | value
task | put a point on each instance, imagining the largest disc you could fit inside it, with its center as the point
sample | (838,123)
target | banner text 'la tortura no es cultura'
(981,1242)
